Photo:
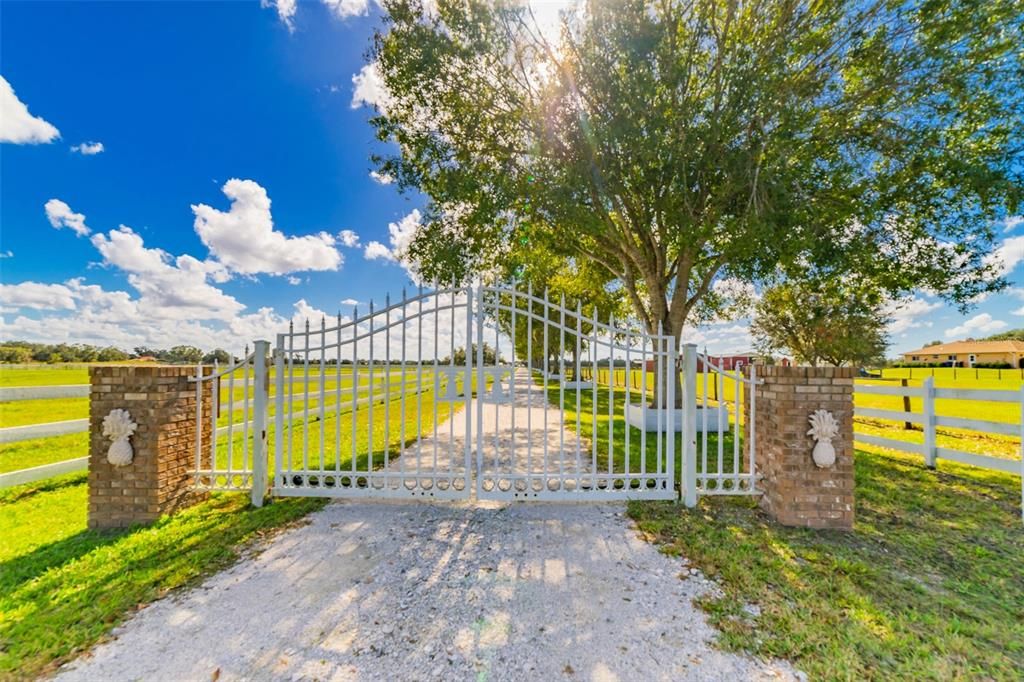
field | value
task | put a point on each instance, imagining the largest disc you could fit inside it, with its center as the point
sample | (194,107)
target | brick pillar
(162,401)
(796,491)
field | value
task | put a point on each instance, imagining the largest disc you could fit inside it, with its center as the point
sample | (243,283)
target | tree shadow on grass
(48,485)
(928,585)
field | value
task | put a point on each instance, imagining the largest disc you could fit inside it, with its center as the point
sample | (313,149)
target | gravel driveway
(433,591)
(416,591)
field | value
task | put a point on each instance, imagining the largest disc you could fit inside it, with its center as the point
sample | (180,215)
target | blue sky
(204,112)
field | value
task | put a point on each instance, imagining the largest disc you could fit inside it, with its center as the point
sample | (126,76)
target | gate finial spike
(307,325)
(387,299)
(291,327)
(323,322)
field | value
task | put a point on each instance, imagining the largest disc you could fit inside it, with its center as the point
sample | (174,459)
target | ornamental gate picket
(480,390)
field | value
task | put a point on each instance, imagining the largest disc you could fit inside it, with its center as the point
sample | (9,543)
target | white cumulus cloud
(348,8)
(369,89)
(400,235)
(348,238)
(243,238)
(381,178)
(88,148)
(60,215)
(285,10)
(907,313)
(37,295)
(1007,255)
(17,125)
(979,324)
(349,301)
(168,287)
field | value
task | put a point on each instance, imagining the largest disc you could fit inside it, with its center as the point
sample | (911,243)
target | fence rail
(13,393)
(929,421)
(38,473)
(14,434)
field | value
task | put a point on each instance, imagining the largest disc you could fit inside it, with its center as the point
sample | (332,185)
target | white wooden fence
(929,421)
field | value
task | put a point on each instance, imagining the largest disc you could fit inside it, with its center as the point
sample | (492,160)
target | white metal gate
(351,396)
(485,390)
(549,433)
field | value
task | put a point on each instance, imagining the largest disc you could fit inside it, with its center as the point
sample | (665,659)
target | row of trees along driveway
(690,149)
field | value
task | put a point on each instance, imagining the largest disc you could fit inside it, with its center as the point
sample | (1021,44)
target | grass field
(69,374)
(24,412)
(64,587)
(38,451)
(995,445)
(929,585)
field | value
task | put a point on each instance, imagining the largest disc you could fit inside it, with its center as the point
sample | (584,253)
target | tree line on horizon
(21,352)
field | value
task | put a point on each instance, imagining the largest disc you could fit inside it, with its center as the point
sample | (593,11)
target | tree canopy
(835,321)
(678,144)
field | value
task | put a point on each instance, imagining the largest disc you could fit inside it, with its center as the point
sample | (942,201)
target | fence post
(280,405)
(261,382)
(907,425)
(690,425)
(928,412)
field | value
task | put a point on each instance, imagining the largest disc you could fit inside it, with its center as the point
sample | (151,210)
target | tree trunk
(670,371)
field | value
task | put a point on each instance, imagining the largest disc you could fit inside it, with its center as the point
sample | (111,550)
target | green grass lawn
(64,587)
(338,426)
(929,585)
(39,451)
(24,412)
(43,375)
(994,445)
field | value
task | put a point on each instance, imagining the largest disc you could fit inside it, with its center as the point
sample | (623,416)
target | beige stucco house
(969,353)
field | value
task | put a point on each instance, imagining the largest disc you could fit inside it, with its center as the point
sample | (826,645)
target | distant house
(729,363)
(969,354)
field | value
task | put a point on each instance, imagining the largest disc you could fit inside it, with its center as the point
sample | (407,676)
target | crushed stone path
(421,591)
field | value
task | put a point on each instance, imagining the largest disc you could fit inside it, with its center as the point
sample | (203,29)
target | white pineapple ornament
(824,428)
(119,427)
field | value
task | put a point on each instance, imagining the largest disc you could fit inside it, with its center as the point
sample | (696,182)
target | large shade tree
(679,143)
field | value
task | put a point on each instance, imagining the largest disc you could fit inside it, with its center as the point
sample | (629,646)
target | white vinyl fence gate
(427,398)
